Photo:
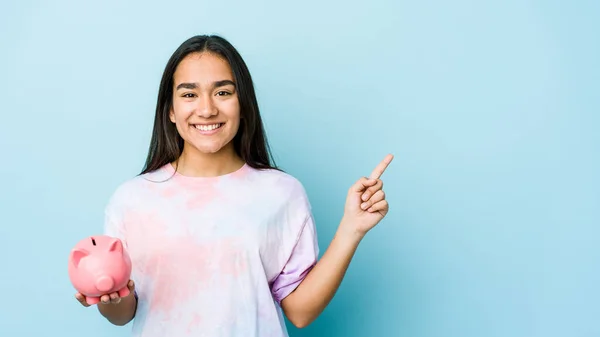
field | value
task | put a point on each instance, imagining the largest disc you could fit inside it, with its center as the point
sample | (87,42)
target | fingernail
(364,205)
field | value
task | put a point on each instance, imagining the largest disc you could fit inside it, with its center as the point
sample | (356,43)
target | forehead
(202,68)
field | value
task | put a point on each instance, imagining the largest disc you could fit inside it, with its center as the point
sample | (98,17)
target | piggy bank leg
(124,292)
(92,300)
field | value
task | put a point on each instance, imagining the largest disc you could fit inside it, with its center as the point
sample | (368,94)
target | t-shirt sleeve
(302,259)
(113,224)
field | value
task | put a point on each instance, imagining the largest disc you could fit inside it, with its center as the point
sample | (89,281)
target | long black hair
(250,142)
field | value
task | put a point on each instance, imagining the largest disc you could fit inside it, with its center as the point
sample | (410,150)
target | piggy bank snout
(105,283)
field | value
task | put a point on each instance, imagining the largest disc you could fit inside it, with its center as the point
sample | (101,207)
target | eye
(223,93)
(188,95)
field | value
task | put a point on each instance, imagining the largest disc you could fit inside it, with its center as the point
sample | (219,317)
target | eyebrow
(195,85)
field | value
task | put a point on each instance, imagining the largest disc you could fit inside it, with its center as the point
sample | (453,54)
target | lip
(207,123)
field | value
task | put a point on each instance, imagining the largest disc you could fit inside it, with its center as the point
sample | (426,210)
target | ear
(172,115)
(77,255)
(115,246)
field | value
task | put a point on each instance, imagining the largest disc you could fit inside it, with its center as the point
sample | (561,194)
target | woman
(222,242)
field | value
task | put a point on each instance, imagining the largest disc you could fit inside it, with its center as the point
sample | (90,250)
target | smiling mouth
(209,127)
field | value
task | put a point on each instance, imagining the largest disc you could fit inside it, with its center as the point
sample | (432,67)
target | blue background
(492,109)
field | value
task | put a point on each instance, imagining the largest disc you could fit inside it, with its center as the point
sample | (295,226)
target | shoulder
(279,183)
(133,189)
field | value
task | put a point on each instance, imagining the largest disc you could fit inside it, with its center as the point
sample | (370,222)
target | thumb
(362,184)
(131,285)
(82,299)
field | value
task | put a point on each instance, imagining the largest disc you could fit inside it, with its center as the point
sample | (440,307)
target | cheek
(180,113)
(234,124)
(230,107)
(233,113)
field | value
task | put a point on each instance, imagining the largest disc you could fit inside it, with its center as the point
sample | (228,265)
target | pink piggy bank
(99,265)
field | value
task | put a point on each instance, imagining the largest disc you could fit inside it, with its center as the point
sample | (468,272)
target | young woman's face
(206,110)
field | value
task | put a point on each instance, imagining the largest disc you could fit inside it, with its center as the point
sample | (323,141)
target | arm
(315,292)
(365,207)
(119,313)
(117,310)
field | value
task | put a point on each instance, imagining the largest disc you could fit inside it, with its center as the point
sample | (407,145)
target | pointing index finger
(378,171)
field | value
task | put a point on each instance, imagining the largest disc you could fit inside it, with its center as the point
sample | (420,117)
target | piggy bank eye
(93,241)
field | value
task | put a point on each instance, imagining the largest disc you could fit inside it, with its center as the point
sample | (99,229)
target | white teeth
(207,127)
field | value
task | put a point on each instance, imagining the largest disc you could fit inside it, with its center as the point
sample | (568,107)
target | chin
(208,148)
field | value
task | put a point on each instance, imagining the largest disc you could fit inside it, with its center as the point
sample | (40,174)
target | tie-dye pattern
(213,256)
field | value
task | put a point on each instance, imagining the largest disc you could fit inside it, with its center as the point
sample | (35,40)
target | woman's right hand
(113,298)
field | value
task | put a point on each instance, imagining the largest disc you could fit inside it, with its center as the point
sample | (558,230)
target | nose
(206,107)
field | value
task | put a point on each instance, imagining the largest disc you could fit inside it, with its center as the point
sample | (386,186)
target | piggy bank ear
(77,255)
(115,246)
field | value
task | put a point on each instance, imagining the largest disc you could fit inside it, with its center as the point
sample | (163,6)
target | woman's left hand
(365,204)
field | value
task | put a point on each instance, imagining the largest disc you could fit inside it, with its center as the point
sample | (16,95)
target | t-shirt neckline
(171,170)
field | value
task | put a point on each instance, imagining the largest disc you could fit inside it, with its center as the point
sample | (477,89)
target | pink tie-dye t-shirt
(213,256)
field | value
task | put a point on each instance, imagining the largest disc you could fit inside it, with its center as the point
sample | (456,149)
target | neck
(196,164)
